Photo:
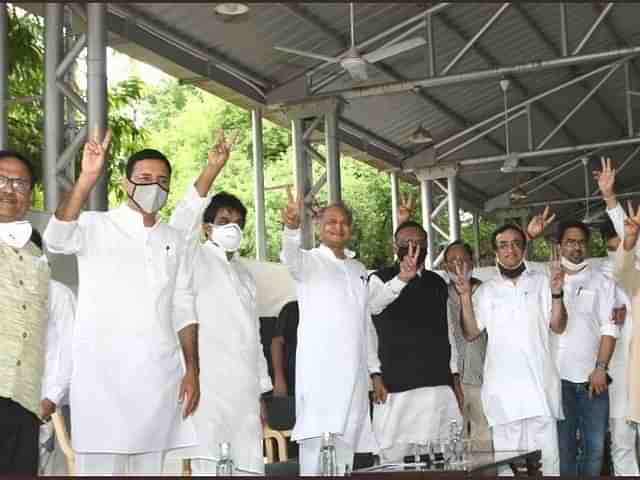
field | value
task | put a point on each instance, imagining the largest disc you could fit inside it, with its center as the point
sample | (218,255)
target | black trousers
(19,430)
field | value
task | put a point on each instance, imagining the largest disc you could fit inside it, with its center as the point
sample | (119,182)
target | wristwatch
(557,295)
(602,365)
(376,374)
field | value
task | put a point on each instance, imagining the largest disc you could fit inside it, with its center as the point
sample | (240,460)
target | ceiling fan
(355,63)
(512,160)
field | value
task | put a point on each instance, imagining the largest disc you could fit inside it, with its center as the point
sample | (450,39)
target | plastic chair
(280,438)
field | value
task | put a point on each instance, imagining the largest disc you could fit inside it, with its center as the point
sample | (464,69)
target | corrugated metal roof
(525,32)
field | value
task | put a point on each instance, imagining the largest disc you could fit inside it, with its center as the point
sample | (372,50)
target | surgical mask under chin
(228,237)
(150,197)
(572,267)
(511,273)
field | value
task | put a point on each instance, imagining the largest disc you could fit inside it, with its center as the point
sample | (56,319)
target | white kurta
(521,379)
(233,370)
(134,296)
(331,359)
(58,363)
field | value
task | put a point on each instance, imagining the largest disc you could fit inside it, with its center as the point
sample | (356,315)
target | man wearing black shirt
(412,355)
(283,350)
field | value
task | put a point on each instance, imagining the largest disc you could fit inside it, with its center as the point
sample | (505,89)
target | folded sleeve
(381,294)
(292,254)
(187,215)
(67,237)
(184,313)
(606,301)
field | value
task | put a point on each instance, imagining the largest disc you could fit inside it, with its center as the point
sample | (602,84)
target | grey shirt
(470,354)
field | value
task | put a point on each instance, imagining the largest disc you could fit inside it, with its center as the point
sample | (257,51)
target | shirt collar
(327,251)
(130,220)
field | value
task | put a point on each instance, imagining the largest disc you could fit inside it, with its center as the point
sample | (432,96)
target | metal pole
(628,88)
(551,151)
(592,29)
(576,200)
(395,199)
(472,41)
(426,194)
(302,175)
(564,29)
(454,214)
(4,76)
(97,91)
(476,238)
(578,106)
(53,105)
(258,184)
(431,48)
(529,127)
(480,75)
(333,156)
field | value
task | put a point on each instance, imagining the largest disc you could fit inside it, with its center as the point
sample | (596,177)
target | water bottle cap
(225,447)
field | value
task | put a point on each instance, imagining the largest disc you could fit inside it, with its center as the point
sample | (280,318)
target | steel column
(97,91)
(4,76)
(476,238)
(53,105)
(426,198)
(431,48)
(333,156)
(592,29)
(454,213)
(258,184)
(564,29)
(302,173)
(395,199)
(628,88)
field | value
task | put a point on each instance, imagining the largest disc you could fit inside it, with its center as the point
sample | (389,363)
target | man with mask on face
(236,370)
(135,375)
(519,308)
(411,353)
(583,352)
(331,361)
(458,254)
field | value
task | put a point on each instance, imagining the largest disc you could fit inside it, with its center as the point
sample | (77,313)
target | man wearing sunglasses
(412,355)
(519,309)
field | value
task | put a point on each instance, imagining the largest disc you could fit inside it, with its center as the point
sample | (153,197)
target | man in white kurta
(331,360)
(134,302)
(234,371)
(521,393)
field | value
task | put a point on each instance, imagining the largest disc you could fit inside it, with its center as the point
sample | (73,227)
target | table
(480,463)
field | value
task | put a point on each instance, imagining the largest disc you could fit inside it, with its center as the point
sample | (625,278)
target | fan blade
(395,49)
(309,54)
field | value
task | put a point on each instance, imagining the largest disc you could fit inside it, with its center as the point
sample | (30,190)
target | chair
(62,436)
(280,439)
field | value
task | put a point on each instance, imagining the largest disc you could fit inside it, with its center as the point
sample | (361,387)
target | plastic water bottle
(327,460)
(225,466)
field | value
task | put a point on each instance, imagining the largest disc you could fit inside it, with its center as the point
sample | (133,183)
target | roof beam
(310,18)
(493,61)
(573,70)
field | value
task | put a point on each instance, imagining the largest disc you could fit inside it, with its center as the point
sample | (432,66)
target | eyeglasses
(574,243)
(20,185)
(514,244)
(416,243)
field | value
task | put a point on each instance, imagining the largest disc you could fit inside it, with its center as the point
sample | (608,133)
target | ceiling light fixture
(231,9)
(421,136)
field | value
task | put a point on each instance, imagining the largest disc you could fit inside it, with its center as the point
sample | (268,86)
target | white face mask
(149,197)
(228,237)
(572,267)
(15,234)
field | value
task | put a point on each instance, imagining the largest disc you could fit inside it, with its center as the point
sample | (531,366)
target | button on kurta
(25,334)
(18,363)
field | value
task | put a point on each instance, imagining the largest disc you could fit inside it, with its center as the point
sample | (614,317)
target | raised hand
(461,281)
(606,178)
(556,273)
(291,213)
(95,153)
(219,153)
(539,222)
(632,221)
(409,264)
(405,209)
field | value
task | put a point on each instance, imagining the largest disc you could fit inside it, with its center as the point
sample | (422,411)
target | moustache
(8,198)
